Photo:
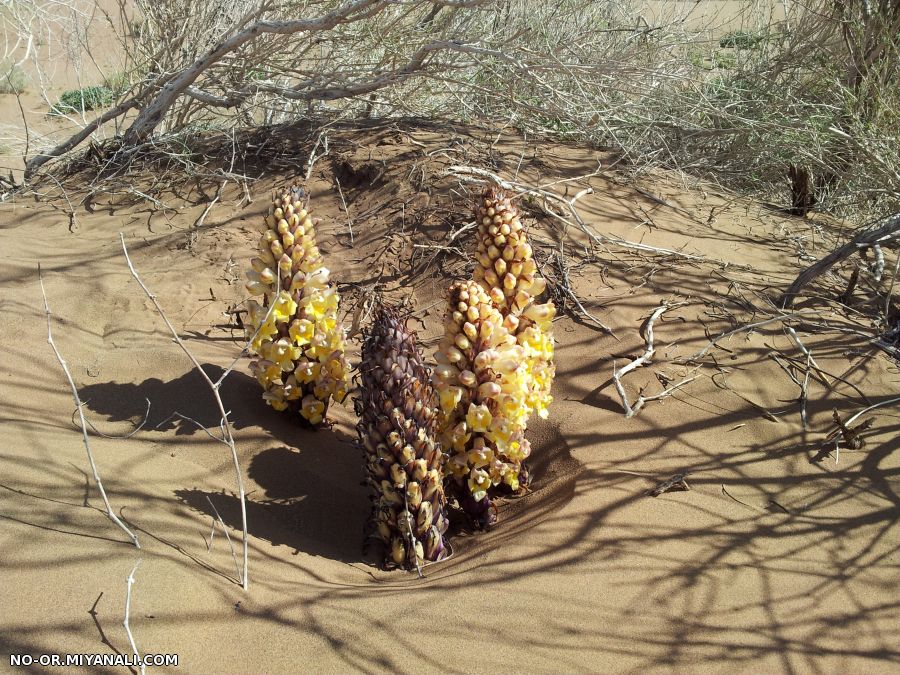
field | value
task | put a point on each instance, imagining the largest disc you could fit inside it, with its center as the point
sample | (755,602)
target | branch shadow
(310,506)
(189,396)
(313,499)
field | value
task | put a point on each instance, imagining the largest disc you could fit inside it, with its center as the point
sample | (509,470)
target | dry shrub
(748,100)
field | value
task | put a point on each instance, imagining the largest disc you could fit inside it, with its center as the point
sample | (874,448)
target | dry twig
(125,623)
(642,360)
(221,522)
(225,424)
(87,446)
(747,327)
(868,237)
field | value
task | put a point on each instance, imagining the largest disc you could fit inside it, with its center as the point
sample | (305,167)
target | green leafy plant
(741,39)
(12,78)
(82,100)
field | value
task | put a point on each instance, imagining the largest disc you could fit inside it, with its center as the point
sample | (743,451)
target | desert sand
(777,559)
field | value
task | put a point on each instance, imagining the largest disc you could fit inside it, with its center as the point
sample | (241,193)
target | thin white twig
(806,352)
(642,360)
(191,419)
(804,386)
(228,437)
(346,210)
(887,298)
(87,446)
(862,412)
(212,533)
(227,536)
(199,222)
(123,437)
(313,156)
(125,623)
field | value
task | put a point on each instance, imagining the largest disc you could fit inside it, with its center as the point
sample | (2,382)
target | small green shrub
(116,82)
(12,79)
(725,61)
(741,39)
(81,100)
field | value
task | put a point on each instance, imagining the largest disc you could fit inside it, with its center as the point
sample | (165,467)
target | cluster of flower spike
(506,268)
(396,407)
(298,338)
(495,363)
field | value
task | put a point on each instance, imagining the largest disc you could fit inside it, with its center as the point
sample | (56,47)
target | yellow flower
(323,389)
(480,457)
(275,398)
(292,389)
(334,366)
(515,451)
(312,409)
(307,371)
(301,331)
(479,417)
(318,278)
(479,482)
(285,307)
(500,430)
(450,397)
(498,470)
(283,353)
(266,332)
(266,371)
(459,436)
(512,479)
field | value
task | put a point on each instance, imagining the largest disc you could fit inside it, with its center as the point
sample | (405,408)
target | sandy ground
(771,562)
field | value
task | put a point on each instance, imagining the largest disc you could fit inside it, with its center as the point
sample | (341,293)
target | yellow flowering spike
(512,267)
(471,395)
(397,410)
(498,350)
(302,331)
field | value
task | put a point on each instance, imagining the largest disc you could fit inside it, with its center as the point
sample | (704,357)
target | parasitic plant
(300,343)
(495,363)
(397,429)
(506,269)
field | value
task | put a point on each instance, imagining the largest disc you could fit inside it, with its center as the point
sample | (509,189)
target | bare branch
(228,437)
(748,327)
(868,237)
(45,156)
(130,582)
(87,446)
(643,360)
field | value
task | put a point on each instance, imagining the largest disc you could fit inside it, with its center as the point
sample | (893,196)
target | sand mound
(777,558)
